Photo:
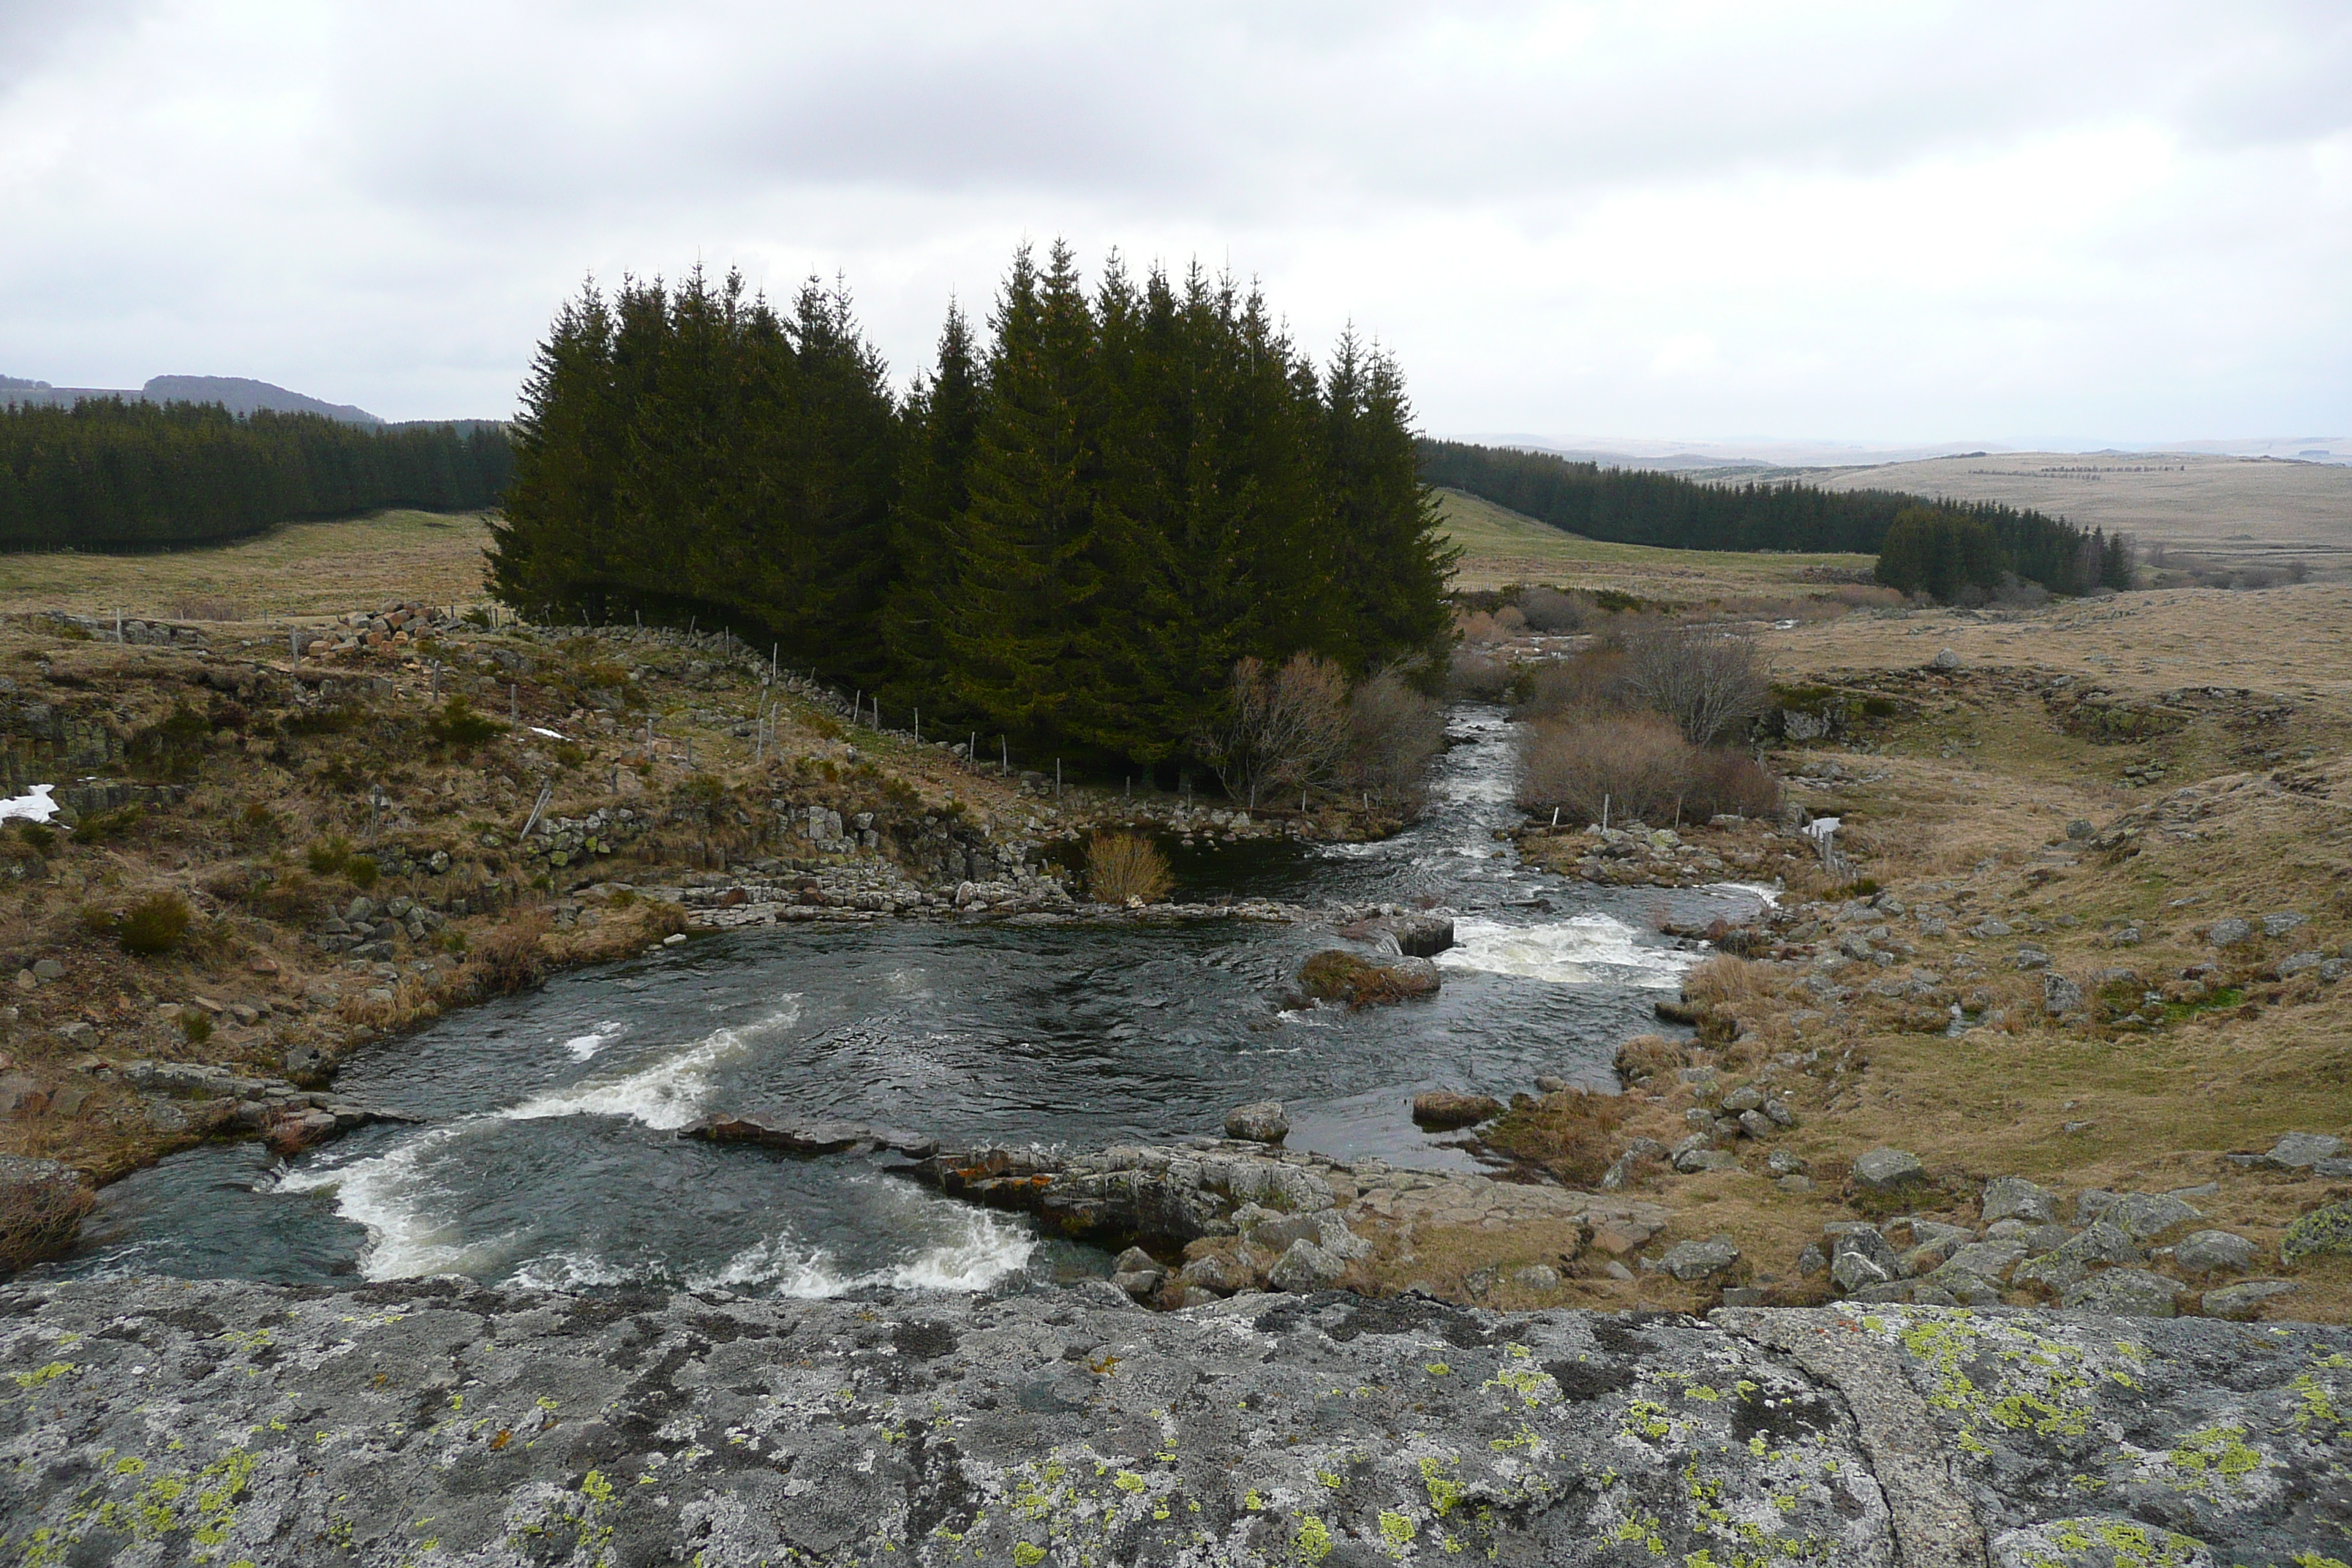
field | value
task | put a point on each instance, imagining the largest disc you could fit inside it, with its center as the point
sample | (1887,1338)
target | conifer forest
(1070,530)
(110,474)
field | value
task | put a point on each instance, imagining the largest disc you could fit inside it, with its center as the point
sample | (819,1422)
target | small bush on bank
(154,925)
(1641,767)
(39,837)
(104,827)
(1477,678)
(197,1024)
(508,958)
(1550,611)
(1570,1134)
(1124,866)
(1393,733)
(362,871)
(459,727)
(328,856)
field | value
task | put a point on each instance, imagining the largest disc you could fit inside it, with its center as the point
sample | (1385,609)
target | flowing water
(547,1148)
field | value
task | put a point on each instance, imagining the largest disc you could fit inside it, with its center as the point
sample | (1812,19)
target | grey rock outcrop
(425,1421)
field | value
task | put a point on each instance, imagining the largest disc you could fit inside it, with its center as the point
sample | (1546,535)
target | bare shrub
(1126,867)
(1393,732)
(1709,681)
(1549,610)
(1510,621)
(1585,682)
(1284,729)
(41,1208)
(1636,763)
(508,957)
(1475,677)
(1639,765)
(1477,626)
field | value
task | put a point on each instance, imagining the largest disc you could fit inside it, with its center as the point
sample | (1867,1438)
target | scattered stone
(1855,1271)
(2206,1251)
(1990,1260)
(2063,1268)
(1966,1286)
(2302,1151)
(1944,659)
(1812,1260)
(1692,1262)
(2144,1216)
(1782,1163)
(2014,1197)
(2060,996)
(1442,1109)
(45,969)
(2295,963)
(2278,922)
(1889,1170)
(1535,1277)
(1260,1121)
(2228,932)
(2122,1293)
(2243,1300)
(1694,1162)
(1306,1266)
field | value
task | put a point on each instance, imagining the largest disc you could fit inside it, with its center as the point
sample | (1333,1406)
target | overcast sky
(1879,222)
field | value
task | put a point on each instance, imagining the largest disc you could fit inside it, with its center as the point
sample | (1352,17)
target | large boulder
(1889,1170)
(1259,1122)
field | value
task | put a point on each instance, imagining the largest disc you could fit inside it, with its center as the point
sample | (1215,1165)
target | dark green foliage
(1946,549)
(1068,534)
(39,837)
(110,475)
(154,925)
(103,826)
(362,870)
(457,726)
(329,855)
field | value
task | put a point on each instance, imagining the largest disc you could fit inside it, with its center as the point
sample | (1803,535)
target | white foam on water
(569,1271)
(1587,949)
(409,1218)
(584,1047)
(978,1249)
(1768,897)
(664,1094)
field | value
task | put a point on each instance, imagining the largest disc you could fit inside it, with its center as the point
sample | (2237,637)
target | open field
(1500,547)
(2252,510)
(301,569)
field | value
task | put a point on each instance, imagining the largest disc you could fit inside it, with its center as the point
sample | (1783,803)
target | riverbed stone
(1260,1121)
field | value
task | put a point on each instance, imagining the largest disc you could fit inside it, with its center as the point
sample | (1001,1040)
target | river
(546,1148)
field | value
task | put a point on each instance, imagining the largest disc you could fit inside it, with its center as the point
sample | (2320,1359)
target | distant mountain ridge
(237,394)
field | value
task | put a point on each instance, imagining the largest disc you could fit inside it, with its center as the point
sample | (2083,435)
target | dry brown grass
(1572,1134)
(510,956)
(39,1219)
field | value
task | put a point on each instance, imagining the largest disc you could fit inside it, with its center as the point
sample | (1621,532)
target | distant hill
(238,393)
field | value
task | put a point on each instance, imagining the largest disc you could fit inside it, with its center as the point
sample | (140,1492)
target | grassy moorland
(1501,547)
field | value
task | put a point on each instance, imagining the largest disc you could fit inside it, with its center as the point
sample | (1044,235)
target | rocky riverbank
(434,1422)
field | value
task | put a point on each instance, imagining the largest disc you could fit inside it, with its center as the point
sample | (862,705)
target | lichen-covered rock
(2326,1229)
(2124,1293)
(2205,1251)
(2234,1435)
(2243,1300)
(1259,1122)
(430,1423)
(2098,1541)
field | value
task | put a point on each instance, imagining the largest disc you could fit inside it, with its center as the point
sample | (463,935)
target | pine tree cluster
(1938,547)
(1069,531)
(108,474)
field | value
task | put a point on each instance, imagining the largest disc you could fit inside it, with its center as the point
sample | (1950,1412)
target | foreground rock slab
(427,1421)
